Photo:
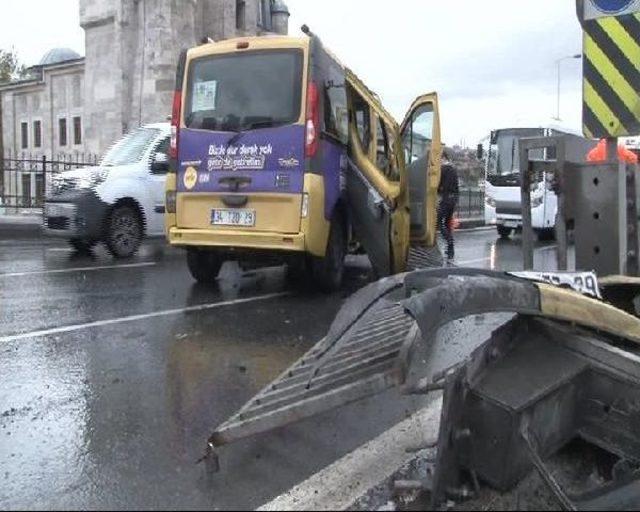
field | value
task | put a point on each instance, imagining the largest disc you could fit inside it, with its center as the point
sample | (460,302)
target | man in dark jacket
(449,193)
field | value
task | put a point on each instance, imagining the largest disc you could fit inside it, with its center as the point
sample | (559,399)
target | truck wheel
(124,232)
(82,246)
(328,271)
(504,232)
(204,266)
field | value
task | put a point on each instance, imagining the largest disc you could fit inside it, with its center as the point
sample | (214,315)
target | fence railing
(25,179)
(471,204)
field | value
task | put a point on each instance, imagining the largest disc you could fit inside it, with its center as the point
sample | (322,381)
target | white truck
(502,178)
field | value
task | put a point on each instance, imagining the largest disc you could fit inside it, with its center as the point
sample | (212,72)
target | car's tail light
(313,120)
(175,124)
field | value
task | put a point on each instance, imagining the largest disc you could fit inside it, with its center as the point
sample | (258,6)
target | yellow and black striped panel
(612,77)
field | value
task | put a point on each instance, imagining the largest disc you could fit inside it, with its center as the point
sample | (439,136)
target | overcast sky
(491,61)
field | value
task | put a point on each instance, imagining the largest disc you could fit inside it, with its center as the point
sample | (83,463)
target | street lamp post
(559,64)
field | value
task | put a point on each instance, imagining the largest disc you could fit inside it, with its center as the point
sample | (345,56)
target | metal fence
(471,204)
(25,178)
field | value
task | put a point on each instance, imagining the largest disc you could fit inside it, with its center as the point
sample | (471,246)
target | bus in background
(279,154)
(502,178)
(633,145)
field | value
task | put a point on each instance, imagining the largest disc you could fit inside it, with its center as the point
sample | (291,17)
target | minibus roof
(371,97)
(254,43)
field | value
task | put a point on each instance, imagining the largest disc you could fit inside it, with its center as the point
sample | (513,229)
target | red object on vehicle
(175,124)
(313,120)
(599,154)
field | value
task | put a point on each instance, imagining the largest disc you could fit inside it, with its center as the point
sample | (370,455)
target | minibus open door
(422,145)
(376,183)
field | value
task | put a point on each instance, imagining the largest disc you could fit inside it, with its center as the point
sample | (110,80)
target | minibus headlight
(490,201)
(305,206)
(170,201)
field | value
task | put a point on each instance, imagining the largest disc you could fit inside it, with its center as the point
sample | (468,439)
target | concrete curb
(360,475)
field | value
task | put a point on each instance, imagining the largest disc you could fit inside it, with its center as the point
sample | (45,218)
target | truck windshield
(504,152)
(131,148)
(243,91)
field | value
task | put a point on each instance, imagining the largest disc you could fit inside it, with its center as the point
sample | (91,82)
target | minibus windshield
(237,92)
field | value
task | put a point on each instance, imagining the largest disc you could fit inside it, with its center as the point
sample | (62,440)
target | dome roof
(58,55)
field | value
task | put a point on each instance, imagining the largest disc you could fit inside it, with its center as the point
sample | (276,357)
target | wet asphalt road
(113,375)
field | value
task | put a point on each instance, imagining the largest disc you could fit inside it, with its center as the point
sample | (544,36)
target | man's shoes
(451,253)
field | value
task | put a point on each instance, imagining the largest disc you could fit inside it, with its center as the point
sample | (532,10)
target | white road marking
(61,249)
(135,318)
(339,485)
(77,269)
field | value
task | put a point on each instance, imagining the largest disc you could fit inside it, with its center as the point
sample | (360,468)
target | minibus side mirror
(160,163)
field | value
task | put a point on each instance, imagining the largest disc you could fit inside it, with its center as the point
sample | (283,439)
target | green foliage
(10,67)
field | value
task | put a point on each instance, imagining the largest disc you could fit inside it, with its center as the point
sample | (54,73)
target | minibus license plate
(246,218)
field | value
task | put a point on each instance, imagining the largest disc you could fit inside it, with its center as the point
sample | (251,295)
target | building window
(62,128)
(37,134)
(77,130)
(24,132)
(241,9)
(264,14)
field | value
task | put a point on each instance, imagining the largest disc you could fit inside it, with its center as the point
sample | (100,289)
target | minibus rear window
(244,91)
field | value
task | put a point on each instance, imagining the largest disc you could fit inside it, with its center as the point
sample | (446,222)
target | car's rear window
(243,91)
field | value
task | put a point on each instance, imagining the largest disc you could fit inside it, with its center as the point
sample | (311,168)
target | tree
(10,67)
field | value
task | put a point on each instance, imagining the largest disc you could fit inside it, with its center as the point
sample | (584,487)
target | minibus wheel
(124,232)
(328,271)
(204,266)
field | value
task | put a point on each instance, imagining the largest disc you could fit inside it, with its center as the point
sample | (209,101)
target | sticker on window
(204,96)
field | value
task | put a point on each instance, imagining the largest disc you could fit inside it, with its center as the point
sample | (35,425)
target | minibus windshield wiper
(270,123)
(267,123)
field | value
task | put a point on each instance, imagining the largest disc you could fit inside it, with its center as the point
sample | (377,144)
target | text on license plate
(245,218)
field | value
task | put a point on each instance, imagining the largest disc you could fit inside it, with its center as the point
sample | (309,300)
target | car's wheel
(204,266)
(124,232)
(81,245)
(328,271)
(504,232)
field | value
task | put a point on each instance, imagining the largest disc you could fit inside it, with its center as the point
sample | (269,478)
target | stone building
(43,114)
(73,105)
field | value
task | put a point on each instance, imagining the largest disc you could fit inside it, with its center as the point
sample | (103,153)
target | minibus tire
(124,232)
(204,266)
(504,232)
(328,272)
